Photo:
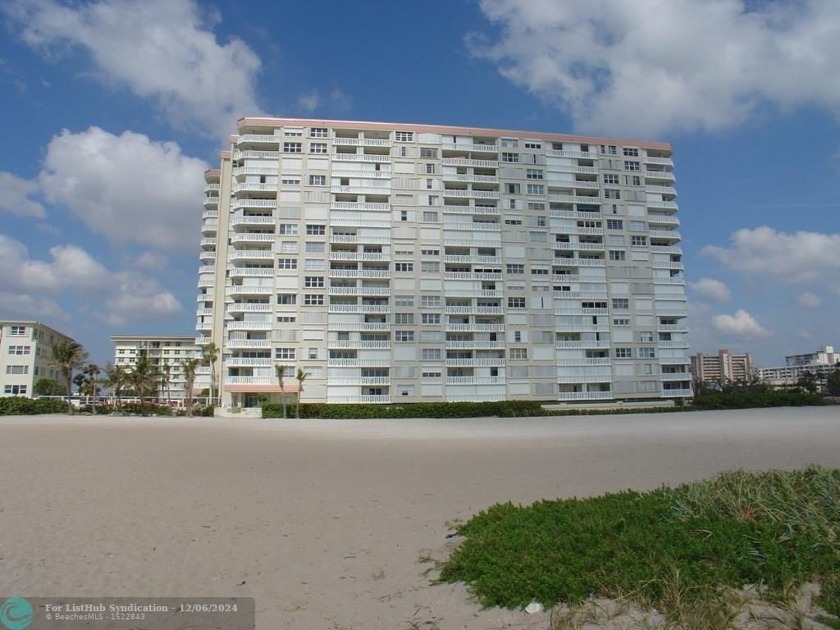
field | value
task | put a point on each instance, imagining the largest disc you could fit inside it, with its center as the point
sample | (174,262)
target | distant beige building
(724,367)
(162,352)
(25,355)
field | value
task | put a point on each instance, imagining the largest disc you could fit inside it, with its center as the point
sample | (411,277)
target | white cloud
(14,197)
(742,324)
(809,300)
(711,289)
(164,51)
(149,260)
(30,307)
(800,258)
(657,67)
(309,102)
(127,187)
(29,285)
(335,100)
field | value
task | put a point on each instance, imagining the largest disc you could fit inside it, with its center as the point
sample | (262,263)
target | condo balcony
(571,396)
(363,291)
(253,138)
(254,187)
(475,210)
(240,325)
(249,307)
(665,234)
(361,157)
(684,345)
(252,237)
(251,380)
(658,160)
(470,163)
(481,310)
(574,168)
(458,177)
(207,269)
(360,206)
(474,226)
(356,220)
(470,147)
(475,345)
(474,194)
(251,254)
(470,275)
(571,154)
(366,398)
(208,242)
(248,362)
(581,311)
(254,170)
(241,204)
(211,202)
(207,324)
(243,220)
(477,362)
(665,205)
(651,175)
(251,272)
(578,345)
(676,328)
(383,188)
(359,326)
(600,376)
(482,260)
(475,380)
(255,155)
(359,256)
(210,214)
(203,341)
(201,312)
(240,290)
(355,239)
(475,327)
(358,308)
(361,142)
(209,226)
(563,198)
(360,380)
(585,362)
(207,257)
(661,219)
(675,376)
(248,344)
(206,282)
(661,190)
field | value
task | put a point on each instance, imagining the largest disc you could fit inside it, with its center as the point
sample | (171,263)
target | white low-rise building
(26,355)
(166,355)
(820,363)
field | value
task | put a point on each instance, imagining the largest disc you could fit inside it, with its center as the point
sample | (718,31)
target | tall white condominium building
(165,355)
(404,263)
(25,355)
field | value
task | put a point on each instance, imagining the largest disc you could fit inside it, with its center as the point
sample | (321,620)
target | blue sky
(112,111)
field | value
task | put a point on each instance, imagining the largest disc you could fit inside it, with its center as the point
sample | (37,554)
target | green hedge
(734,399)
(19,406)
(505,409)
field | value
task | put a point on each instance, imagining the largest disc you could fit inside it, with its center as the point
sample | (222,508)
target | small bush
(712,399)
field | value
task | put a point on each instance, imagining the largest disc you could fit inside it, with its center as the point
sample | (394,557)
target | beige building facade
(25,356)
(406,263)
(166,355)
(722,368)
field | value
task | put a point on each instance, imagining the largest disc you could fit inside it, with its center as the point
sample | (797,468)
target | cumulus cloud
(658,67)
(29,285)
(164,51)
(711,289)
(741,324)
(335,100)
(127,187)
(809,300)
(14,197)
(799,258)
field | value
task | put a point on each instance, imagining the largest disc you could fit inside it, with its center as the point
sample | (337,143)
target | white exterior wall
(408,263)
(25,355)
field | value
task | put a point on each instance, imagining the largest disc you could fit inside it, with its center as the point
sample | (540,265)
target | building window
(313,299)
(314,264)
(430,252)
(513,221)
(292,147)
(316,230)
(404,136)
(287,263)
(541,222)
(430,217)
(431,375)
(638,241)
(616,254)
(620,304)
(623,353)
(610,178)
(633,180)
(428,153)
(19,350)
(17,331)
(630,165)
(533,173)
(404,318)
(516,302)
(518,354)
(621,321)
(403,266)
(515,269)
(15,390)
(612,193)
(285,353)
(317,147)
(631,152)
(404,336)
(510,157)
(17,369)
(536,189)
(288,229)
(539,271)
(430,354)
(315,246)
(318,132)
(430,301)
(313,282)
(404,300)
(533,145)
(646,353)
(317,180)
(287,298)
(286,319)
(517,336)
(429,267)
(430,318)
(430,169)
(646,336)
(512,189)
(289,180)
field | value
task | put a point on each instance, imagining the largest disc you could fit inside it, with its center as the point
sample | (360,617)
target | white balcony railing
(585,396)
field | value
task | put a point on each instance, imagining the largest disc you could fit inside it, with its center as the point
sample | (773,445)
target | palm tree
(280,370)
(144,379)
(116,377)
(165,376)
(190,366)
(92,372)
(300,376)
(68,356)
(209,356)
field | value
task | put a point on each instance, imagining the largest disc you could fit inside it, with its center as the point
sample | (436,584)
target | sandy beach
(327,523)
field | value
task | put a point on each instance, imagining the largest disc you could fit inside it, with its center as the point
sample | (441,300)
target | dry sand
(325,523)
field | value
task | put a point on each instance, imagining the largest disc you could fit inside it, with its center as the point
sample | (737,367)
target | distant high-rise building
(820,363)
(406,263)
(26,356)
(723,367)
(166,356)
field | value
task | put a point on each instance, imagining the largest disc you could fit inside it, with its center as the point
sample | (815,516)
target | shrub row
(746,399)
(20,406)
(502,408)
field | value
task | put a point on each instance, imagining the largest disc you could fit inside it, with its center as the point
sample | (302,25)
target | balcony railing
(475,345)
(480,210)
(251,380)
(475,194)
(469,163)
(249,325)
(247,138)
(244,219)
(361,142)
(245,307)
(480,362)
(585,396)
(252,272)
(360,206)
(248,362)
(475,380)
(351,400)
(248,343)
